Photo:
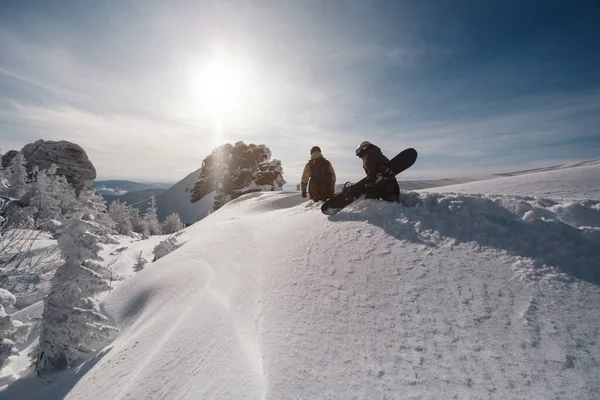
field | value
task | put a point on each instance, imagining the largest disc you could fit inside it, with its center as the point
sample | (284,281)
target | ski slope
(490,295)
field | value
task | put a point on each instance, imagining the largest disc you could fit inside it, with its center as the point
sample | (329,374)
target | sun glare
(222,91)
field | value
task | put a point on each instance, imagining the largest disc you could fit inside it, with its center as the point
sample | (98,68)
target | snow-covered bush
(166,246)
(11,331)
(172,224)
(140,263)
(72,318)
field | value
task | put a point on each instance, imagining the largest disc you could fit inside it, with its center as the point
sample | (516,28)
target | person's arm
(305,178)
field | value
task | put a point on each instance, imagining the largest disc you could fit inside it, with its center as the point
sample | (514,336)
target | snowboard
(401,162)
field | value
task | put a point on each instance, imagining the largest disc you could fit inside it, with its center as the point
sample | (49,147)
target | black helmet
(315,148)
(360,150)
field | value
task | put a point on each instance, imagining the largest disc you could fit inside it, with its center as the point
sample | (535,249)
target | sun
(222,90)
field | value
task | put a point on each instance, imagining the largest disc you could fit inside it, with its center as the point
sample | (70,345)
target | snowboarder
(375,165)
(319,176)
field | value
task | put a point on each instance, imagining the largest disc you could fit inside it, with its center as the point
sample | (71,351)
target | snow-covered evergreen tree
(40,194)
(17,176)
(3,176)
(140,263)
(72,318)
(172,224)
(151,218)
(119,213)
(11,331)
(138,223)
(94,209)
(52,197)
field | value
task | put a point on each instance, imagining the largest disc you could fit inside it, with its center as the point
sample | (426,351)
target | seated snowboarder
(319,176)
(375,165)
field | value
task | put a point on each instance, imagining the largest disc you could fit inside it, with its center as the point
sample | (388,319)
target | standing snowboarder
(319,176)
(375,165)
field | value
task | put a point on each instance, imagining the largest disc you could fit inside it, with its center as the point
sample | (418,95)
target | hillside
(460,296)
(575,181)
(178,199)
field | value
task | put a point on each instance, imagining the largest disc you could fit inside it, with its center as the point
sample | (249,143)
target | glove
(303,195)
(370,182)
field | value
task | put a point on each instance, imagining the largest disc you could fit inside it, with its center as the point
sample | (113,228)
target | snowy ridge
(468,296)
(575,181)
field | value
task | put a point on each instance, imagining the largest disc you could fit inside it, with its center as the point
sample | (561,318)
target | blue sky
(149,88)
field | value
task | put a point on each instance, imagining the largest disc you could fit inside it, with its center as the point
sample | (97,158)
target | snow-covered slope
(460,296)
(178,199)
(576,181)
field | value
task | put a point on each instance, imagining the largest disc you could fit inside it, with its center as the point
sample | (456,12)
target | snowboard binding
(347,187)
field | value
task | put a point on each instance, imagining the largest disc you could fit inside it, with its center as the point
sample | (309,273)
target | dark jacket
(374,163)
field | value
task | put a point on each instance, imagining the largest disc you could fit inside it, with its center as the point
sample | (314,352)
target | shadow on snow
(521,226)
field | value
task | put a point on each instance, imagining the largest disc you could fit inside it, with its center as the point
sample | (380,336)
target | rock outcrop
(234,170)
(71,160)
(7,158)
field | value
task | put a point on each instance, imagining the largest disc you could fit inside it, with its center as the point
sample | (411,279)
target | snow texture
(483,296)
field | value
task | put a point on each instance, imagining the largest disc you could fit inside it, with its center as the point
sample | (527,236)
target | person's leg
(313,191)
(391,191)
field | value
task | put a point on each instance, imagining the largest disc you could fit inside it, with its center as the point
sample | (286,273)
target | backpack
(319,171)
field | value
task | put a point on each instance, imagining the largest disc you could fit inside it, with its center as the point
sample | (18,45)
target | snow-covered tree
(140,263)
(3,175)
(11,331)
(172,224)
(138,223)
(72,318)
(151,218)
(17,176)
(119,213)
(52,196)
(41,195)
(93,209)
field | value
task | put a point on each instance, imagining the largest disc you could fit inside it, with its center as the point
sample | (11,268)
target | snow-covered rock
(234,170)
(71,159)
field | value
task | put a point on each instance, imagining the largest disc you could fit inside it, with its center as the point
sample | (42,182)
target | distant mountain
(139,198)
(123,186)
(174,199)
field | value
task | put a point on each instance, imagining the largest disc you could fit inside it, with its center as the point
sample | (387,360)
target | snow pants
(320,191)
(389,191)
